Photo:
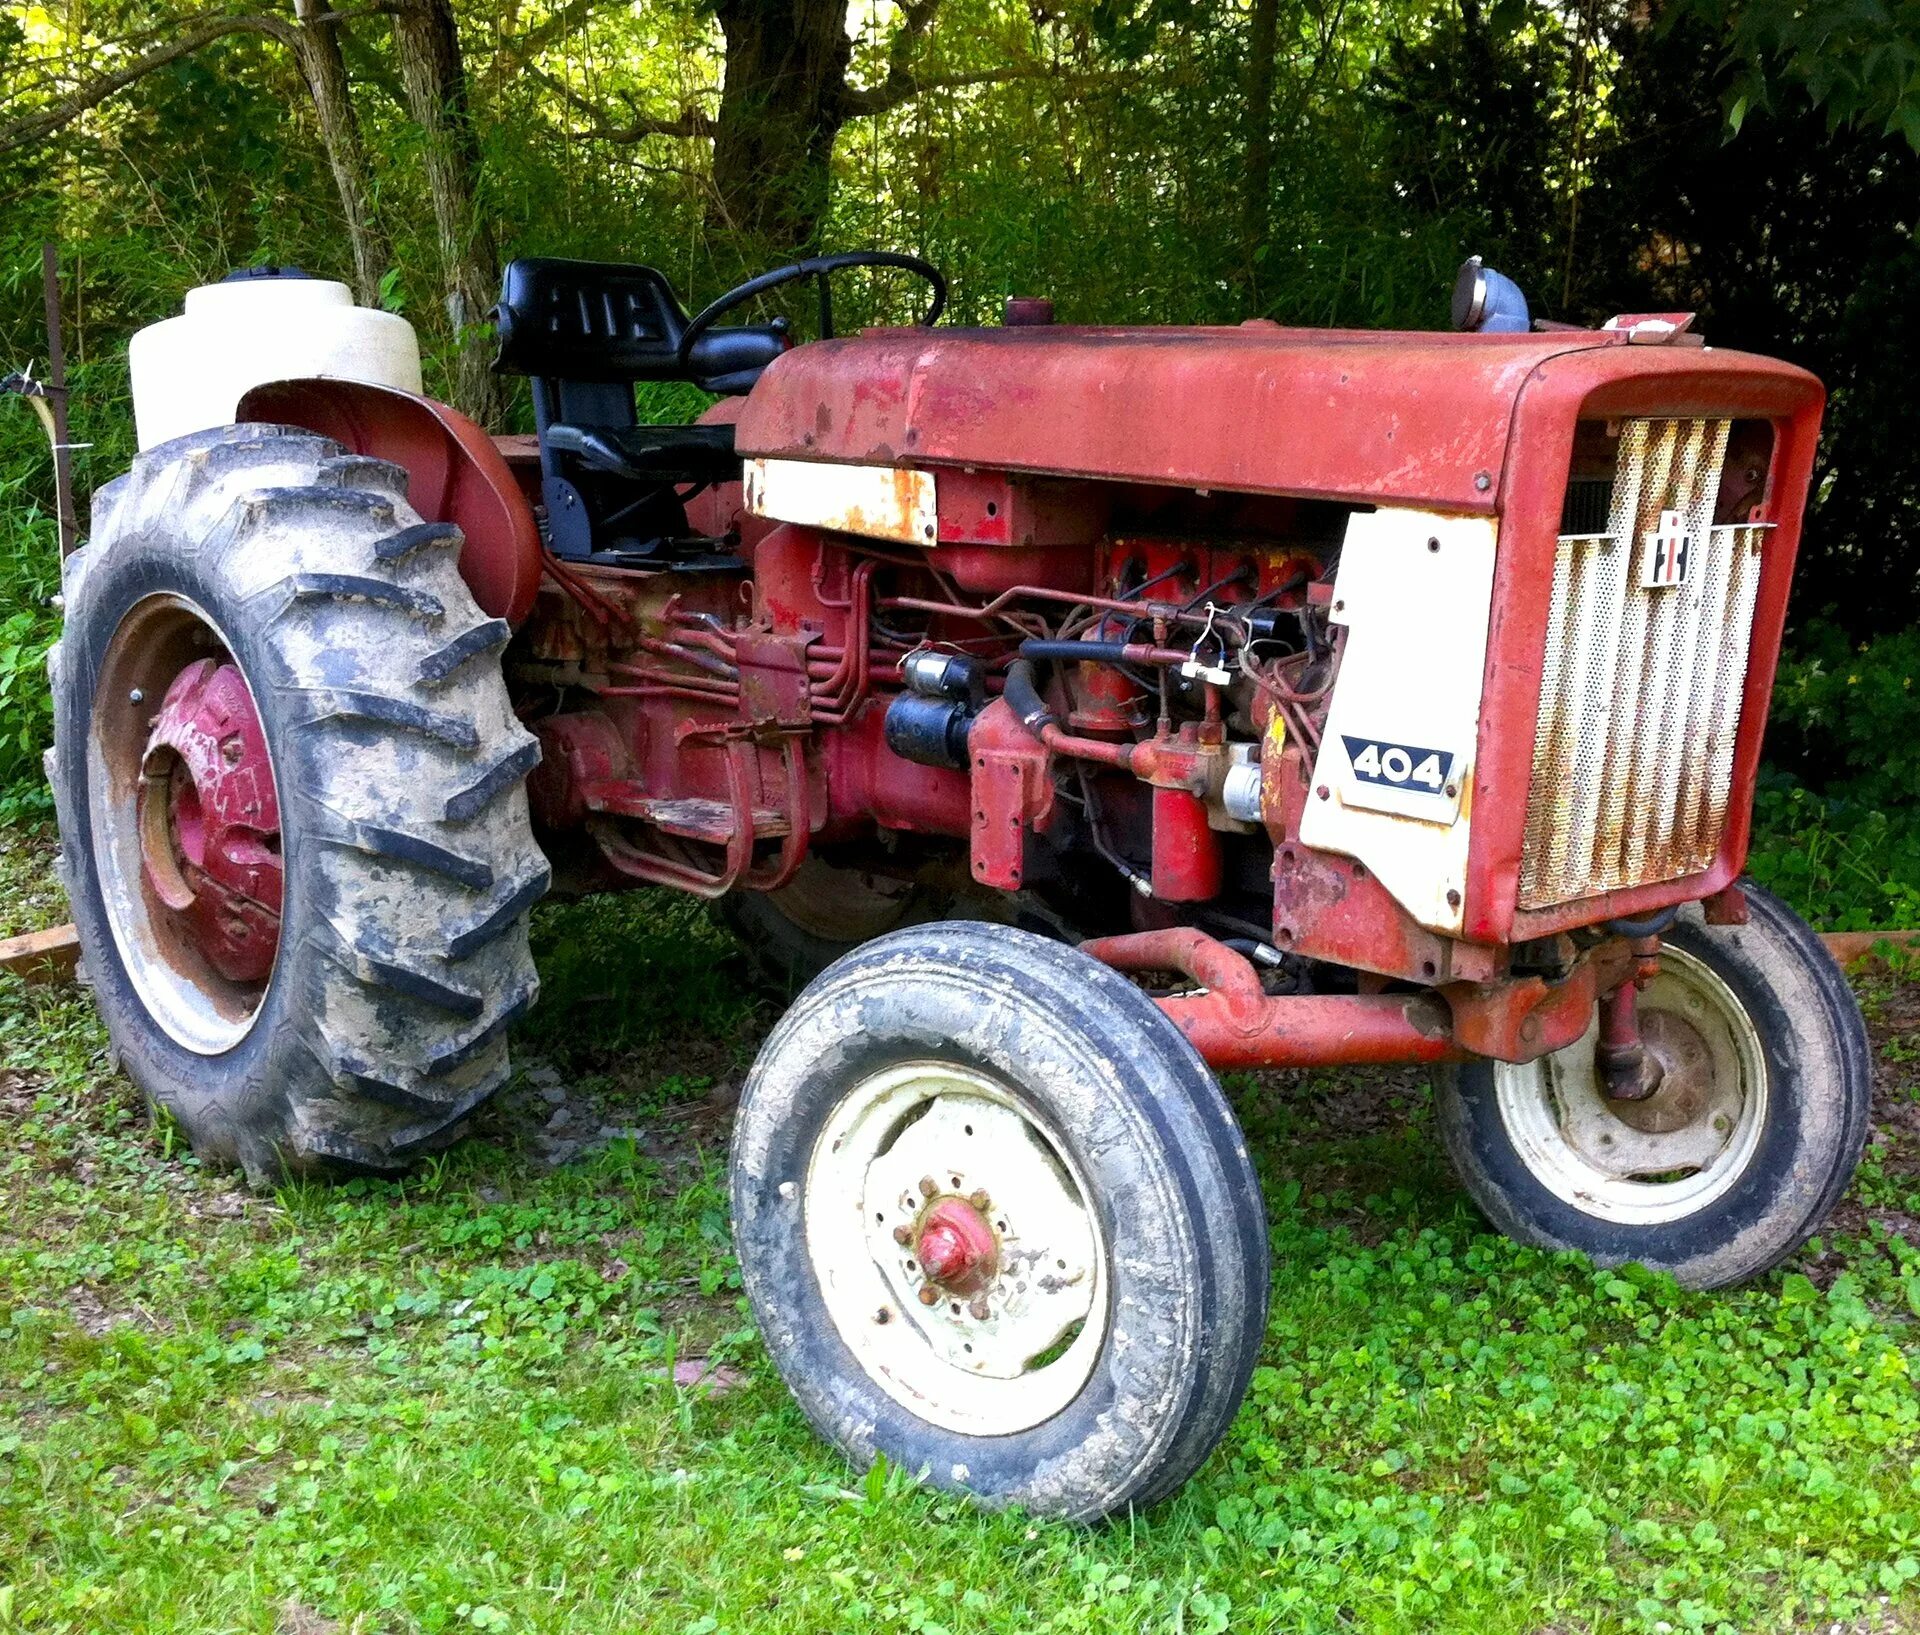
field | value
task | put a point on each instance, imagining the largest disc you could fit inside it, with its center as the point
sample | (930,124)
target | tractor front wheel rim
(185,814)
(957,1248)
(1678,1151)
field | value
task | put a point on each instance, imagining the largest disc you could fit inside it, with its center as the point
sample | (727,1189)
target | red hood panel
(1350,414)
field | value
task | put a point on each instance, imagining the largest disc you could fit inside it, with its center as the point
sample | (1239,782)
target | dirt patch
(96,1319)
(556,1119)
(297,1618)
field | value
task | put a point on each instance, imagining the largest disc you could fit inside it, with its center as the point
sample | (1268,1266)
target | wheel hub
(1671,1153)
(209,821)
(958,1252)
(1686,1093)
(956,1247)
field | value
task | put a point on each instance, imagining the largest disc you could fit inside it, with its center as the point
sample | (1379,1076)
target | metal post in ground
(56,394)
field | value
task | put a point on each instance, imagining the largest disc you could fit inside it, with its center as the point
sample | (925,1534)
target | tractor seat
(654,454)
(584,332)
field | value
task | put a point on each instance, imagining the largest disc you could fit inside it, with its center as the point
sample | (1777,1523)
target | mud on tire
(409,861)
(1113,1096)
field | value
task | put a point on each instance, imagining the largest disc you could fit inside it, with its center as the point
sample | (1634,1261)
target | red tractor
(1078,712)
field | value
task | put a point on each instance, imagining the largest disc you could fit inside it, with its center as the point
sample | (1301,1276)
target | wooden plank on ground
(1848,946)
(41,956)
(47,956)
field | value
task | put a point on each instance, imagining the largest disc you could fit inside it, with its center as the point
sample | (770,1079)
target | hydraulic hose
(1653,925)
(1068,651)
(1099,652)
(1024,696)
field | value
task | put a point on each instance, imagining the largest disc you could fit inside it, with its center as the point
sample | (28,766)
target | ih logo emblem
(1399,766)
(1668,559)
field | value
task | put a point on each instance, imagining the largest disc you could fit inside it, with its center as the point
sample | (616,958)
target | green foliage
(1837,824)
(29,575)
(1847,714)
(1843,866)
(1859,63)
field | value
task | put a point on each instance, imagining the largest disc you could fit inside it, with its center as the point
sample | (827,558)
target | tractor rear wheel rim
(957,1248)
(185,816)
(841,905)
(1675,1153)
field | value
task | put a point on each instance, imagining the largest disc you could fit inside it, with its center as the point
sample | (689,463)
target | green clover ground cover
(450,1403)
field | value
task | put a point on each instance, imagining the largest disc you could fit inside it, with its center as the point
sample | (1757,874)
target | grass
(451,1403)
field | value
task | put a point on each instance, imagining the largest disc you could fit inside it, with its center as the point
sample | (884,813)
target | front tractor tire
(998,1223)
(1735,1159)
(288,779)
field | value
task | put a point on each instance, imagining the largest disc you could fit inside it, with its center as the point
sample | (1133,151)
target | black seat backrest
(585,331)
(589,321)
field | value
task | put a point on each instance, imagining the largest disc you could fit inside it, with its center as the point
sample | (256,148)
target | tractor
(1071,714)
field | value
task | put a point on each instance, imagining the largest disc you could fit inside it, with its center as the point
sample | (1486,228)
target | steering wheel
(821,267)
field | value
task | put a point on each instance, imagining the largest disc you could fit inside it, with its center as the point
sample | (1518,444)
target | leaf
(1796,1289)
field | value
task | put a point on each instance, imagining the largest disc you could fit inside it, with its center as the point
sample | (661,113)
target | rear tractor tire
(1738,1155)
(293,830)
(791,935)
(997,1222)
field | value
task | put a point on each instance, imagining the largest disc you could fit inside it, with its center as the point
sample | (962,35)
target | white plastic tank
(267,323)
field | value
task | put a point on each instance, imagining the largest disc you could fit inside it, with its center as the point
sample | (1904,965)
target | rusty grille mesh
(1640,699)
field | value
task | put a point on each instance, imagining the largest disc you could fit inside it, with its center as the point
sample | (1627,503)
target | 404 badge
(1401,766)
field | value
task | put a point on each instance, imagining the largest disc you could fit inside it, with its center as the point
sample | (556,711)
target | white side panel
(1414,590)
(876,502)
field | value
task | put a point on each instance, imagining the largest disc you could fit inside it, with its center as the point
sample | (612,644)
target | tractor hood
(1358,415)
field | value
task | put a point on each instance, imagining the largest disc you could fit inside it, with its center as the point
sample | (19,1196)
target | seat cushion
(661,454)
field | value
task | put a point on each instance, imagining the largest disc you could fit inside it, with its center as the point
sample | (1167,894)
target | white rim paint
(197,1017)
(967,1133)
(1612,1160)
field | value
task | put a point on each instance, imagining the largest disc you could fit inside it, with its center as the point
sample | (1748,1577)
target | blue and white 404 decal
(1400,766)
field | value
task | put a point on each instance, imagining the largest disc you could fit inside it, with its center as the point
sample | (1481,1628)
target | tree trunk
(434,79)
(1263,33)
(325,71)
(782,105)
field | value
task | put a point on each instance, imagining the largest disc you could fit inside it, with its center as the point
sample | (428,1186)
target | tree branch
(895,90)
(518,50)
(916,18)
(690,121)
(34,127)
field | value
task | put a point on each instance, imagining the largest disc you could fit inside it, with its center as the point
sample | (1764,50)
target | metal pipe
(1235,1023)
(1628,1070)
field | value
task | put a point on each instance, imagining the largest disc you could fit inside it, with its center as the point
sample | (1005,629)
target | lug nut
(929,1295)
(136,697)
(981,1201)
(903,1235)
(928,1186)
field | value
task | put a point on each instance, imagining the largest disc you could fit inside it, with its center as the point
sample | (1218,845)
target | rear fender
(455,474)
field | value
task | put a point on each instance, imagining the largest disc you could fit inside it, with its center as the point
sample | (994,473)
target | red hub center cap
(210,821)
(957,1248)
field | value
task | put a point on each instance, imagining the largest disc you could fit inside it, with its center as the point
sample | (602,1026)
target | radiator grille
(1640,699)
